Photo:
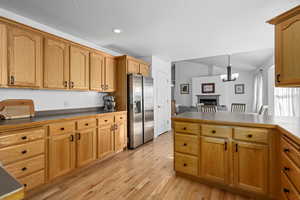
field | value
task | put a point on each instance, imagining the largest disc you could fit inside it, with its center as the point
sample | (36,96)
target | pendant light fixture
(229,77)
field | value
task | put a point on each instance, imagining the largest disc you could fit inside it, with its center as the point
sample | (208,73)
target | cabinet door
(86,146)
(61,154)
(214,159)
(3,54)
(250,166)
(133,67)
(120,136)
(97,72)
(56,64)
(25,58)
(144,70)
(287,62)
(79,68)
(105,140)
(110,74)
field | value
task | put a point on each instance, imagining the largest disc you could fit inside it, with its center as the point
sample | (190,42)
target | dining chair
(208,108)
(238,107)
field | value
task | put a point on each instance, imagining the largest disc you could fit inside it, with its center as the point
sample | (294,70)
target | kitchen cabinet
(287,47)
(61,154)
(144,70)
(97,68)
(3,55)
(110,74)
(105,140)
(79,68)
(250,166)
(215,159)
(56,64)
(86,145)
(24,58)
(133,67)
(120,133)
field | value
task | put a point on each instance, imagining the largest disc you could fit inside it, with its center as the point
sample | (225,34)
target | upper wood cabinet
(251,166)
(79,68)
(215,159)
(133,67)
(86,144)
(3,55)
(97,69)
(56,64)
(287,48)
(144,70)
(25,58)
(110,74)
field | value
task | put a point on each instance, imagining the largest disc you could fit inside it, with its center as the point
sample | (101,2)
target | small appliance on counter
(16,109)
(109,103)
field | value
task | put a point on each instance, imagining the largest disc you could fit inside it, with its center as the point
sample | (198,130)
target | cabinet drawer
(21,151)
(61,128)
(216,131)
(106,120)
(291,170)
(251,134)
(186,164)
(290,150)
(86,123)
(120,118)
(183,127)
(25,167)
(16,137)
(33,180)
(288,191)
(187,144)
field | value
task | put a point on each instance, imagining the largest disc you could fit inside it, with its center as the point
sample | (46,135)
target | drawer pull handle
(23,152)
(105,120)
(286,190)
(184,128)
(24,169)
(184,164)
(213,131)
(87,124)
(25,185)
(62,128)
(286,169)
(184,144)
(24,137)
(249,136)
(121,117)
(286,150)
(71,138)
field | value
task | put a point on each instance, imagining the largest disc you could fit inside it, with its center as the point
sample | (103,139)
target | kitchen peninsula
(250,154)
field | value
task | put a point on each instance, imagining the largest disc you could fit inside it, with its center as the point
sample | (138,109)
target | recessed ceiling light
(116,30)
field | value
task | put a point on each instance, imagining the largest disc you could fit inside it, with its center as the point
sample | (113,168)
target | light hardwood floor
(144,173)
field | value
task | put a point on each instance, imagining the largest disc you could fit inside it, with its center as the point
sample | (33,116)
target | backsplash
(55,99)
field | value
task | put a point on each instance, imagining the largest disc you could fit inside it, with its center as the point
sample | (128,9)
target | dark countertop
(8,185)
(287,125)
(44,119)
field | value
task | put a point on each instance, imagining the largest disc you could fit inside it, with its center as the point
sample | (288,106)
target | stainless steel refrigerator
(140,110)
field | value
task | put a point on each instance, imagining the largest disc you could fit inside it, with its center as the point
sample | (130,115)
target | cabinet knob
(24,169)
(62,128)
(24,137)
(286,150)
(12,80)
(65,84)
(249,136)
(184,164)
(286,190)
(278,78)
(87,124)
(286,169)
(71,138)
(213,131)
(25,185)
(24,152)
(184,144)
(184,128)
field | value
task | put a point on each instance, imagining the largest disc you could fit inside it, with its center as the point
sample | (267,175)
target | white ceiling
(171,29)
(246,61)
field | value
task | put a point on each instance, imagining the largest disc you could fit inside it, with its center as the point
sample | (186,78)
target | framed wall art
(208,88)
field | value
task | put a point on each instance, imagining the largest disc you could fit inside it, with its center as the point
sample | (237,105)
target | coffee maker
(109,103)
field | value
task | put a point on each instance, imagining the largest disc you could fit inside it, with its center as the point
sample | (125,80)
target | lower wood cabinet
(215,159)
(61,154)
(105,140)
(86,145)
(120,135)
(251,166)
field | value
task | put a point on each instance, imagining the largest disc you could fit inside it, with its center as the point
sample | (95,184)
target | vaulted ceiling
(172,29)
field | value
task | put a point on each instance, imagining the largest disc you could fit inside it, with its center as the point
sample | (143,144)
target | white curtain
(287,102)
(258,91)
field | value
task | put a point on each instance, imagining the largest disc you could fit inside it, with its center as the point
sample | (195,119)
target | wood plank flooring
(144,173)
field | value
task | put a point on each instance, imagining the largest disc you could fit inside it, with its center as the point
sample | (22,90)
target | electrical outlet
(66,104)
